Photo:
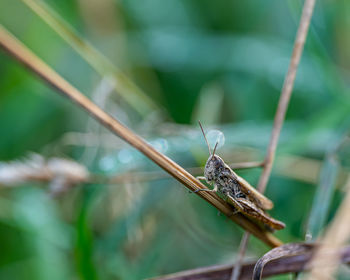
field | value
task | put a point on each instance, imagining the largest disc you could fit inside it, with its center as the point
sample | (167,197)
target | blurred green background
(222,62)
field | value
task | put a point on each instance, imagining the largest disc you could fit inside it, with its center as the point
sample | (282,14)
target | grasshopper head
(214,164)
(213,168)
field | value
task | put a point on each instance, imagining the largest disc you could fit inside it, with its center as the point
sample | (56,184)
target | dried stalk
(335,237)
(126,88)
(37,169)
(288,264)
(298,168)
(15,48)
(281,111)
(236,270)
(286,91)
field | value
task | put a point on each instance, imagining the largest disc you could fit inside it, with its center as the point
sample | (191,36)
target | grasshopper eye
(216,162)
(219,163)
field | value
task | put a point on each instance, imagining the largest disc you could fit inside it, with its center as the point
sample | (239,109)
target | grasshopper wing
(254,195)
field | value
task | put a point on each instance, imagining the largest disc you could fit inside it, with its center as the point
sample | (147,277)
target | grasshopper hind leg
(235,203)
(250,209)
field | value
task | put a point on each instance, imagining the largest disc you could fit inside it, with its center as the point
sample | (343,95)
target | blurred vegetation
(219,61)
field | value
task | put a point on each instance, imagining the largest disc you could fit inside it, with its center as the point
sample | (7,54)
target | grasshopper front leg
(201,178)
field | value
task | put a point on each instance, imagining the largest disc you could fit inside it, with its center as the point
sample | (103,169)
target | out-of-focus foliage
(219,61)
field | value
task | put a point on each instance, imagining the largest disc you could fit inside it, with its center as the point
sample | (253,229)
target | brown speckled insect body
(237,191)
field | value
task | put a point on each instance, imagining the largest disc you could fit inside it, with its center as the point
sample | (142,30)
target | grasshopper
(237,191)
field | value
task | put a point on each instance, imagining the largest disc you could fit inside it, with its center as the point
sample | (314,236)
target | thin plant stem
(156,175)
(20,52)
(126,88)
(282,107)
(236,270)
(286,91)
(40,173)
(282,265)
(336,235)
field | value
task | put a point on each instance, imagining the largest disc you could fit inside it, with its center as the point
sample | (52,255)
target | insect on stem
(205,138)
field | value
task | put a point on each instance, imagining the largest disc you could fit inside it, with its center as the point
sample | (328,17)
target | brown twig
(281,111)
(15,48)
(288,264)
(286,250)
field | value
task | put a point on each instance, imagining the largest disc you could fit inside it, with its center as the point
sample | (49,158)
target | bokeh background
(222,62)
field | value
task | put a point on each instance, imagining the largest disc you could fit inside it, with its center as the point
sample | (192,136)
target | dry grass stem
(35,168)
(286,91)
(236,270)
(288,264)
(129,91)
(335,237)
(281,110)
(12,46)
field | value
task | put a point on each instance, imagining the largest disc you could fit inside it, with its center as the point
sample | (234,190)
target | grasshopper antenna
(217,142)
(205,137)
